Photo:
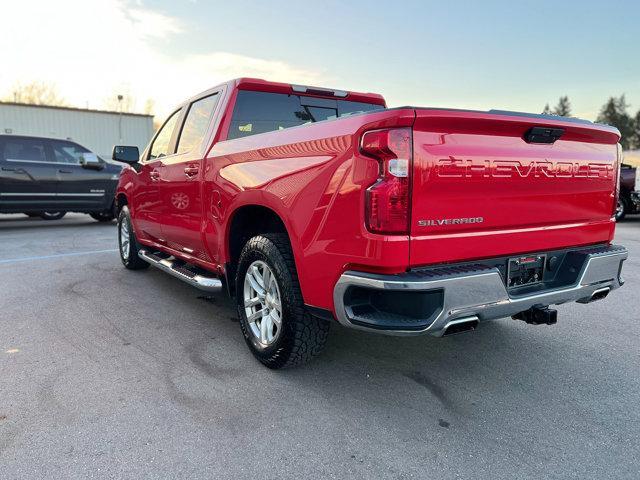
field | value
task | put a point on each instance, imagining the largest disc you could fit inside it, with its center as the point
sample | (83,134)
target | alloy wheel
(124,238)
(262,303)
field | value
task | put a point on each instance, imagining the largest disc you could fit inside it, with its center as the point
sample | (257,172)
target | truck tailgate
(481,190)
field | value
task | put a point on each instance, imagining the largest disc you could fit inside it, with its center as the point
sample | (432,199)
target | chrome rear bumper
(465,292)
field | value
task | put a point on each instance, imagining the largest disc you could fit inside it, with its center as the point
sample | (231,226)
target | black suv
(48,177)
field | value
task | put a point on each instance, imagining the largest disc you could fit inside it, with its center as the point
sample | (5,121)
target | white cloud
(92,50)
(154,24)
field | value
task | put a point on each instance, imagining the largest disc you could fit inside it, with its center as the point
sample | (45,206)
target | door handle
(64,171)
(154,175)
(191,171)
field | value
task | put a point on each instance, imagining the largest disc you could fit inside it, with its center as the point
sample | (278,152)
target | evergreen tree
(563,108)
(636,132)
(547,110)
(614,113)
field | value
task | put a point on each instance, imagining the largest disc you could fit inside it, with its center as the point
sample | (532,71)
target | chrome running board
(181,271)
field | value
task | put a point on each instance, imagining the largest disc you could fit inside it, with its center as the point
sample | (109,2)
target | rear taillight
(388,200)
(616,172)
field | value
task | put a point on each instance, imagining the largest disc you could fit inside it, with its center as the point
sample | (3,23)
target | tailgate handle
(543,134)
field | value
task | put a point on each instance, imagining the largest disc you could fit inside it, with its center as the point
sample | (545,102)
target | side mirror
(125,154)
(91,161)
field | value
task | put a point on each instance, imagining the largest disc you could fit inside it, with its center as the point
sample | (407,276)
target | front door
(150,209)
(28,179)
(180,186)
(78,188)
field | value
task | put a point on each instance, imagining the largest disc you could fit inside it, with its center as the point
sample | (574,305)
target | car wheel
(52,215)
(275,324)
(127,244)
(621,210)
(106,216)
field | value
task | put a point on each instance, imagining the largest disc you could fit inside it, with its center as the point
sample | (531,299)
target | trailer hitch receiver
(538,316)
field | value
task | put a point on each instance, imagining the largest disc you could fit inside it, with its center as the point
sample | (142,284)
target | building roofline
(75,109)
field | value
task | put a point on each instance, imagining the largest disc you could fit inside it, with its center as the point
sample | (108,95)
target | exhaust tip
(460,326)
(597,295)
(600,294)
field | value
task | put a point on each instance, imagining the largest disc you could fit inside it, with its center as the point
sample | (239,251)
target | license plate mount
(525,270)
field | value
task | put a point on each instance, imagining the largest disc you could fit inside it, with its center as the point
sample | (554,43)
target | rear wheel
(106,216)
(621,209)
(52,215)
(127,244)
(275,324)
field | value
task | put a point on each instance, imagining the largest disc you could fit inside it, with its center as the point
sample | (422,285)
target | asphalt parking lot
(107,373)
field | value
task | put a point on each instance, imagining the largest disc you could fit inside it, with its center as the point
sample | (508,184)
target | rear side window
(24,150)
(196,123)
(260,112)
(67,152)
(160,147)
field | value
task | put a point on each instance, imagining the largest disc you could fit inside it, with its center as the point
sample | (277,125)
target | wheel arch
(245,222)
(120,201)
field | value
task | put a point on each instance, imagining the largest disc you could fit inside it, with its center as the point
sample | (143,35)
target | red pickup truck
(312,205)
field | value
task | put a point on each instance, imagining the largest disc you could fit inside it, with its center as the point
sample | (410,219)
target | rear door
(180,184)
(483,188)
(28,179)
(78,188)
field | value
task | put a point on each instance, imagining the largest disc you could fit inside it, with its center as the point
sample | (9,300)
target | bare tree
(36,93)
(149,106)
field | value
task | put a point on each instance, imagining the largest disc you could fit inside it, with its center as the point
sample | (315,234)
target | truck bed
(481,190)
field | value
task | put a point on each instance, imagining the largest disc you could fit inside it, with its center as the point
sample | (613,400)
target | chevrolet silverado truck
(310,206)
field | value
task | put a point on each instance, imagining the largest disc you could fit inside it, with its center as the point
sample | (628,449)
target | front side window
(67,152)
(196,123)
(260,112)
(160,147)
(24,150)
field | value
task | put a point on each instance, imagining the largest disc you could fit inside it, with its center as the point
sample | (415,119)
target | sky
(508,55)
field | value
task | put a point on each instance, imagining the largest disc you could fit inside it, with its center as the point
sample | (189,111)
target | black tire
(622,209)
(302,335)
(102,216)
(52,215)
(130,259)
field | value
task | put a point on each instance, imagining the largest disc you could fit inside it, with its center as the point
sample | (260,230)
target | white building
(96,130)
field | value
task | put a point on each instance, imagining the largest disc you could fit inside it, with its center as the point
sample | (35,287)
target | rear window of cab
(261,112)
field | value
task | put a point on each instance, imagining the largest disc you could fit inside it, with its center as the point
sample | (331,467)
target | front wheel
(275,324)
(52,215)
(127,243)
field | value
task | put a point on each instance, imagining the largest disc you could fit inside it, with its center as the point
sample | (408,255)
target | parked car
(313,205)
(49,177)
(628,200)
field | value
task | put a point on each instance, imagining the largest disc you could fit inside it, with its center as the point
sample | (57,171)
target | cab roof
(260,85)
